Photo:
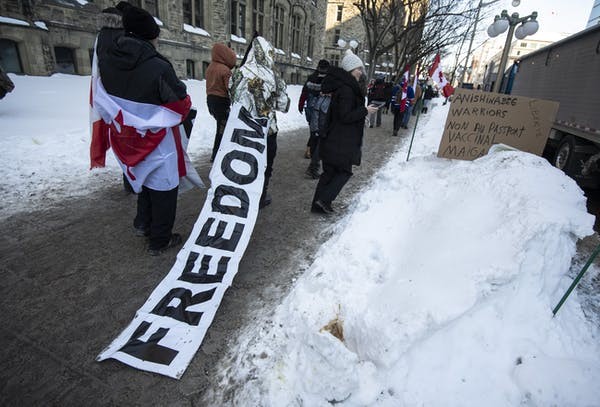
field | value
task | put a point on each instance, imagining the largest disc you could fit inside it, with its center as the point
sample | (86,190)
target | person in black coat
(340,148)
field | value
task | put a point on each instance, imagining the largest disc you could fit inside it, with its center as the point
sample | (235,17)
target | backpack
(321,115)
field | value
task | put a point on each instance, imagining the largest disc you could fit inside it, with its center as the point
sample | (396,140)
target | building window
(193,12)
(524,44)
(296,34)
(258,15)
(204,68)
(334,59)
(518,52)
(190,69)
(311,41)
(238,18)
(65,60)
(151,6)
(340,10)
(279,25)
(10,60)
(336,37)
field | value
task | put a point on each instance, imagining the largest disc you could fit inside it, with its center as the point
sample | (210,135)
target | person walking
(257,87)
(140,103)
(408,105)
(340,145)
(218,74)
(377,96)
(397,108)
(308,98)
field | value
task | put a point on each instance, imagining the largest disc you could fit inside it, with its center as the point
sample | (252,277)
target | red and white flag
(141,135)
(436,74)
(405,77)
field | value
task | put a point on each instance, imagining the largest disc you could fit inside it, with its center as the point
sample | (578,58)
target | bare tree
(412,30)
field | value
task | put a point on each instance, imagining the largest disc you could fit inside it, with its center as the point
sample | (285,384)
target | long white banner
(169,328)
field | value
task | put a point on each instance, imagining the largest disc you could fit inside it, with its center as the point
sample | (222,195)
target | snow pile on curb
(443,280)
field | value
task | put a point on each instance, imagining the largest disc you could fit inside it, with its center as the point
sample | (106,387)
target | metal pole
(462,78)
(574,283)
(415,128)
(505,52)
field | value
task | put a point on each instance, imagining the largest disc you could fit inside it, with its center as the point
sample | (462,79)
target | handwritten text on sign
(477,120)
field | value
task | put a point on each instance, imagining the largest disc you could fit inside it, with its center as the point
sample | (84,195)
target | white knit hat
(351,61)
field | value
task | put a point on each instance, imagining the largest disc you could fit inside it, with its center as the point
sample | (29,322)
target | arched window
(297,33)
(279,24)
(65,60)
(311,41)
(10,59)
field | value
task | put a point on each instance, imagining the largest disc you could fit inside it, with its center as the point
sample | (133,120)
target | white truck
(567,71)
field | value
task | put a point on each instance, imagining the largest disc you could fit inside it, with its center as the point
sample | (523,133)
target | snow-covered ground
(438,284)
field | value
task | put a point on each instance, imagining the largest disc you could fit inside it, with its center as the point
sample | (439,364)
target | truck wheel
(565,154)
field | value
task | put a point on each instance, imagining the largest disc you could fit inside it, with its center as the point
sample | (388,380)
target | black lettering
(186,299)
(241,137)
(217,241)
(238,193)
(202,276)
(255,124)
(232,175)
(149,351)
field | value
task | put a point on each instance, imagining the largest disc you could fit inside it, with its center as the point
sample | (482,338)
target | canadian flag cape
(436,74)
(148,140)
(405,78)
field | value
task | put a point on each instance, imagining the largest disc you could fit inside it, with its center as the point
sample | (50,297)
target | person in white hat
(340,145)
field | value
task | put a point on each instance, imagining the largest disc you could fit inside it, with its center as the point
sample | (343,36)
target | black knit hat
(138,21)
(323,65)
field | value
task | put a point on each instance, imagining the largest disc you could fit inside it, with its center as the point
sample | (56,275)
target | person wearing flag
(409,101)
(137,104)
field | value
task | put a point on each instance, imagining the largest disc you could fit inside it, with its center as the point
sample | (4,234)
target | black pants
(313,143)
(398,116)
(218,107)
(156,211)
(331,182)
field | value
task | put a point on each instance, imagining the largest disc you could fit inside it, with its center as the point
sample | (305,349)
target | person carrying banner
(137,105)
(340,145)
(257,87)
(308,98)
(217,89)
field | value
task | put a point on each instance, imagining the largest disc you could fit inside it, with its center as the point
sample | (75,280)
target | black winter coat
(131,68)
(342,143)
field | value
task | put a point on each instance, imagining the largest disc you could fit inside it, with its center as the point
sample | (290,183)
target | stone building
(343,22)
(48,36)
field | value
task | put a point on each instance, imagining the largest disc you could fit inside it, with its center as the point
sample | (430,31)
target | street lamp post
(529,26)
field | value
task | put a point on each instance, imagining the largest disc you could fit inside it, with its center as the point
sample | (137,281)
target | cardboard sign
(477,120)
